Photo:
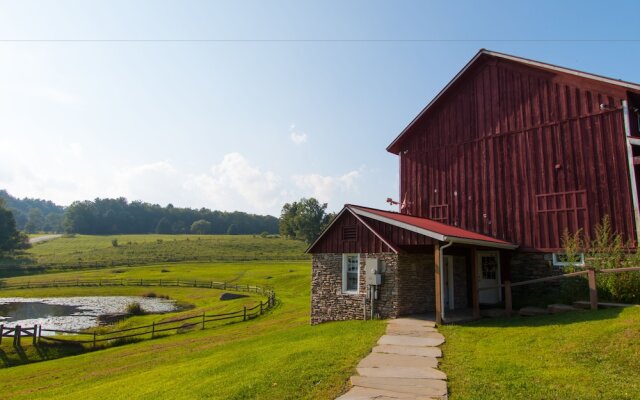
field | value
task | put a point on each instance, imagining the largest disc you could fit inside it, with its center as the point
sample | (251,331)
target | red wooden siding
(334,240)
(506,137)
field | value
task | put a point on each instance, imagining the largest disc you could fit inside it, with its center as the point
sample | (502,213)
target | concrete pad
(408,350)
(379,360)
(533,311)
(422,387)
(412,322)
(363,393)
(409,330)
(434,339)
(587,305)
(560,308)
(494,313)
(402,372)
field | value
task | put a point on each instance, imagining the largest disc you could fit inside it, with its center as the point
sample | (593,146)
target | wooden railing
(591,277)
(154,329)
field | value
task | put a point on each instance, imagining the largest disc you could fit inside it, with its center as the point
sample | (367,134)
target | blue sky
(293,99)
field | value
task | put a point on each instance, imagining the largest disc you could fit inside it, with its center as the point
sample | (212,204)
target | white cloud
(157,182)
(325,188)
(234,183)
(296,136)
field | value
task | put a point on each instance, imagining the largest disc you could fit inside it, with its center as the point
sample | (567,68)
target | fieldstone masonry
(407,288)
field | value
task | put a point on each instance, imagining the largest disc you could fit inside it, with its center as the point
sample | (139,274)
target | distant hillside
(35,214)
(119,216)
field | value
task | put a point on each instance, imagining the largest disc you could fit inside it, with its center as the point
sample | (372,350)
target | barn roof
(423,226)
(483,53)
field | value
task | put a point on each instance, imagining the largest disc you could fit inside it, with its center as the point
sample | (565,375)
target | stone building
(506,158)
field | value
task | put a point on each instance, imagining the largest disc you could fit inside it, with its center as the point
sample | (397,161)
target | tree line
(118,216)
(34,215)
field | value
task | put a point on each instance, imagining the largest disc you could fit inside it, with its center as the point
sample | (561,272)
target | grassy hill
(277,356)
(85,251)
(579,355)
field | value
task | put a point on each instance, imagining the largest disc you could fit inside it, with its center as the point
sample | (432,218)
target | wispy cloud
(297,137)
(325,188)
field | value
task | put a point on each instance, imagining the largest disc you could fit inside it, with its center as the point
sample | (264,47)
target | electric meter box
(373,269)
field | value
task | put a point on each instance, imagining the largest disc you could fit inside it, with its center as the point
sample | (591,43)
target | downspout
(442,310)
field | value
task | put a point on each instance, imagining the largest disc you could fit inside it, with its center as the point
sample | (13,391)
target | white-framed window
(561,260)
(350,273)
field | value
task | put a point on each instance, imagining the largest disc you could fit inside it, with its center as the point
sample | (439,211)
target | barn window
(349,232)
(563,260)
(350,273)
(439,212)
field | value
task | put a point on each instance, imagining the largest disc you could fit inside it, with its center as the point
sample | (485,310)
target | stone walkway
(404,365)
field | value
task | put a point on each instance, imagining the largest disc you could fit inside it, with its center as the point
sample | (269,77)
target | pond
(72,313)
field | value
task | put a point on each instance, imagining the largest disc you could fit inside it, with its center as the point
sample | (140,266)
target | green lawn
(84,251)
(277,356)
(582,355)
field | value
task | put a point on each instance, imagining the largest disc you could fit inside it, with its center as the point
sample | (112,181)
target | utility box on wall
(373,271)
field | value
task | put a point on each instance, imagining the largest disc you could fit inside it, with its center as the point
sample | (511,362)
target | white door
(489,276)
(448,283)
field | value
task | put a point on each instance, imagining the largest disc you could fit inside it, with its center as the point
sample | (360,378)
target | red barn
(508,156)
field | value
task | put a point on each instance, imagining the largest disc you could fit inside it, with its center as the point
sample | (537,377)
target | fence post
(39,333)
(35,330)
(260,307)
(1,332)
(203,320)
(153,328)
(244,317)
(593,289)
(508,301)
(94,339)
(16,335)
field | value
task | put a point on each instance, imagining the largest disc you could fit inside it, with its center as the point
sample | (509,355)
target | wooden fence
(591,277)
(172,326)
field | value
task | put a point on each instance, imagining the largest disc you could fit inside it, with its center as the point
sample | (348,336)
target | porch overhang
(432,229)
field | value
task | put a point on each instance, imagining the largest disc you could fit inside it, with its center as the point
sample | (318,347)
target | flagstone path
(404,364)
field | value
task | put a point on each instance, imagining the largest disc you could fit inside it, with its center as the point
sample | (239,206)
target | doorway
(489,277)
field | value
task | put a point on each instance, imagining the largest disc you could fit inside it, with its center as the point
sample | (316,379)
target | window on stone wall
(350,273)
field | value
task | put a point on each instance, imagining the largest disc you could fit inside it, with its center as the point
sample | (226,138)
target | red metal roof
(434,229)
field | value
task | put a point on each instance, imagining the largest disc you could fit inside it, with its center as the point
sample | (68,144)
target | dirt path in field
(44,238)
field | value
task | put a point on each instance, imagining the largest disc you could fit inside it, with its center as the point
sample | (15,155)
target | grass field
(277,356)
(83,251)
(582,355)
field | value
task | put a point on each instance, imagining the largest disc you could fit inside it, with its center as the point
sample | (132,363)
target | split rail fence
(171,326)
(591,277)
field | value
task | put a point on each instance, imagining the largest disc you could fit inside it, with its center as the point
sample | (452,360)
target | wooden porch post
(475,295)
(508,302)
(593,289)
(436,254)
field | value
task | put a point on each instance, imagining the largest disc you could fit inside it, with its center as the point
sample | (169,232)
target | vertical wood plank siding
(366,241)
(506,136)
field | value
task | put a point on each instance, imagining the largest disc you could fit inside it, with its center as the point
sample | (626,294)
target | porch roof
(430,228)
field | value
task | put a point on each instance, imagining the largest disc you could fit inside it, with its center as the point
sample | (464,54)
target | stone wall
(533,265)
(328,303)
(416,283)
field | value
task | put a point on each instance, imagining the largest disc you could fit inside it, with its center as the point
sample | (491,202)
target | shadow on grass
(11,356)
(567,318)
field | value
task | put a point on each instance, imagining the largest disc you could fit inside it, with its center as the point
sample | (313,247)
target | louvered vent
(349,233)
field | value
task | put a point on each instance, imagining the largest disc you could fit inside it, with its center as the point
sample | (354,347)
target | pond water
(72,313)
